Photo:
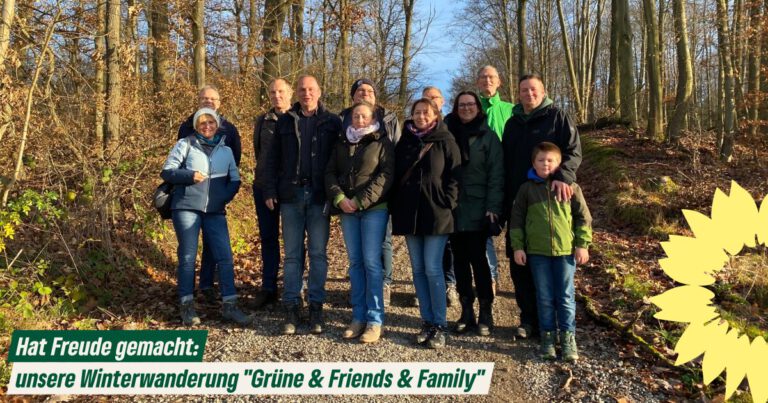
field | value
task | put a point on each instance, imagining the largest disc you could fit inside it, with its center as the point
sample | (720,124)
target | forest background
(92,93)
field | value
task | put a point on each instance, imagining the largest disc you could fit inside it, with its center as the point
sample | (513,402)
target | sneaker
(263,298)
(524,331)
(547,346)
(423,335)
(354,330)
(315,317)
(568,346)
(231,312)
(437,337)
(372,334)
(210,296)
(415,301)
(452,296)
(188,314)
(291,319)
(387,294)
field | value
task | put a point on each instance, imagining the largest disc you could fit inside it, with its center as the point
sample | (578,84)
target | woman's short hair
(474,96)
(432,105)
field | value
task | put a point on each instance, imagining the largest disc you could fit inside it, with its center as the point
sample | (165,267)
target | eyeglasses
(467,105)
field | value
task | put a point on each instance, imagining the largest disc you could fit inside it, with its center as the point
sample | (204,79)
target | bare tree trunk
(403,92)
(591,84)
(100,57)
(343,49)
(133,31)
(753,68)
(252,34)
(655,100)
(237,6)
(114,86)
(763,109)
(161,45)
(614,80)
(569,60)
(198,40)
(297,35)
(726,151)
(508,51)
(271,36)
(684,72)
(522,40)
(6,22)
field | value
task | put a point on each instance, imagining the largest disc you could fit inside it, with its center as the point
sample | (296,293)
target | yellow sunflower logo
(736,223)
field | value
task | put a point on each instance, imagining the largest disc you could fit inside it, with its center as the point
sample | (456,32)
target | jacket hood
(532,175)
(518,110)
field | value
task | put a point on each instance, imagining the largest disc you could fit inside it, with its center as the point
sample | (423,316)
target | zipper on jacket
(549,214)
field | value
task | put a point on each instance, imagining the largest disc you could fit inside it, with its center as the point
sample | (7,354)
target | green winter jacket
(541,225)
(498,112)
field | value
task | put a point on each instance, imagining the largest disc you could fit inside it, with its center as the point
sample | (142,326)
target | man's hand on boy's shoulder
(564,191)
(581,255)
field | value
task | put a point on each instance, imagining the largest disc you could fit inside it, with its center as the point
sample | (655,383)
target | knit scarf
(419,132)
(212,142)
(355,135)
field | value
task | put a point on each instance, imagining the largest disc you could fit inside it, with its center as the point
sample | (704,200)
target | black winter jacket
(283,160)
(424,203)
(232,139)
(521,135)
(387,119)
(263,137)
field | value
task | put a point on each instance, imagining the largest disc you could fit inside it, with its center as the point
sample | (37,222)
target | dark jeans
(525,293)
(208,273)
(448,270)
(470,260)
(269,232)
(386,253)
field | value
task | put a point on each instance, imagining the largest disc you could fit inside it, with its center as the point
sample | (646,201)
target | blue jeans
(386,253)
(269,232)
(493,262)
(187,224)
(426,254)
(298,218)
(207,266)
(553,276)
(363,234)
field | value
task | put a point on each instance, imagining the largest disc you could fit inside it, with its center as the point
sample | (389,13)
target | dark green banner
(107,346)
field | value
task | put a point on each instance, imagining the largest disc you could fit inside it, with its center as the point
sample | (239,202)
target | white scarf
(355,135)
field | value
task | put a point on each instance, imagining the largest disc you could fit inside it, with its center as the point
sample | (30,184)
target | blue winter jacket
(219,187)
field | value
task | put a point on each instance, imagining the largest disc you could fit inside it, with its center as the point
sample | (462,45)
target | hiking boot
(485,321)
(568,346)
(423,335)
(210,296)
(524,331)
(437,337)
(188,315)
(547,346)
(354,330)
(231,312)
(291,319)
(372,334)
(387,294)
(315,317)
(264,297)
(467,320)
(451,295)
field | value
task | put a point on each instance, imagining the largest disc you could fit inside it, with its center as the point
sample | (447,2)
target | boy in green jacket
(553,236)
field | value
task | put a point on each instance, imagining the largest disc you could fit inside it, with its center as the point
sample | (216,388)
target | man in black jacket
(295,176)
(535,119)
(280,94)
(208,97)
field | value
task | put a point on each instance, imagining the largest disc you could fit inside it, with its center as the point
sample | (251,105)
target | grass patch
(635,287)
(742,292)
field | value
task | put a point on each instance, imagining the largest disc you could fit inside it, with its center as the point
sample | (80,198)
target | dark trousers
(469,260)
(448,270)
(208,269)
(386,253)
(269,227)
(525,293)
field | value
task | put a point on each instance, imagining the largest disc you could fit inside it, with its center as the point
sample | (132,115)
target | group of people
(448,185)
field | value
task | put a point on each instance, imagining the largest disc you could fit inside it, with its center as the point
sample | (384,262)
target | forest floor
(635,190)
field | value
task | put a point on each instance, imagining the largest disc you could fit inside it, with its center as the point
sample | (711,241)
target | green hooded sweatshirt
(498,112)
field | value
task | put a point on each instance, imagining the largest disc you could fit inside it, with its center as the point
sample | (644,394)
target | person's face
(468,108)
(308,92)
(280,95)
(546,163)
(531,94)
(488,81)
(209,98)
(435,96)
(423,115)
(365,93)
(362,116)
(206,125)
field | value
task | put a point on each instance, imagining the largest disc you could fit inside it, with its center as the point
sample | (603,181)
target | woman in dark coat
(427,163)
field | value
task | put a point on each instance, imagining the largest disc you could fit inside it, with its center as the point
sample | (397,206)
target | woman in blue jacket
(205,176)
